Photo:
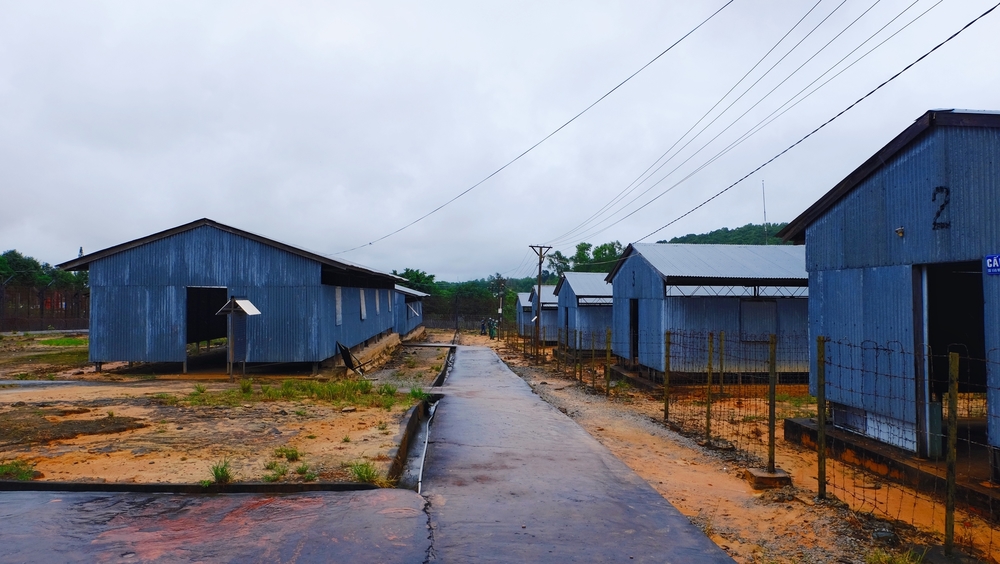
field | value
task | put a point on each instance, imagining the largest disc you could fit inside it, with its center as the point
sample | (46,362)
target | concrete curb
(248,487)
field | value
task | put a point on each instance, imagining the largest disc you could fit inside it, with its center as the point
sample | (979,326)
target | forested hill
(749,234)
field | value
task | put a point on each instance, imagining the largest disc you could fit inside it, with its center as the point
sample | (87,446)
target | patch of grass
(882,556)
(64,342)
(309,477)
(301,412)
(23,376)
(165,398)
(302,469)
(436,368)
(205,483)
(222,472)
(111,414)
(364,472)
(310,436)
(199,389)
(410,362)
(418,394)
(278,471)
(346,439)
(386,390)
(382,425)
(246,386)
(289,453)
(17,470)
(795,401)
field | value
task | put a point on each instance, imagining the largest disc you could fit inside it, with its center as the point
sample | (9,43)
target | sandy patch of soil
(172,428)
(787,525)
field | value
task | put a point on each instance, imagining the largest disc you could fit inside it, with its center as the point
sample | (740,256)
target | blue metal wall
(860,282)
(406,321)
(582,321)
(699,315)
(524,314)
(139,300)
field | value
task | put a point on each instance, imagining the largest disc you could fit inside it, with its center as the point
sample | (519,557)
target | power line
(731,124)
(761,124)
(544,139)
(824,124)
(643,177)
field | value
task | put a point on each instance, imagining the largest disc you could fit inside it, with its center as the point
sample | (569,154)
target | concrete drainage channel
(413,447)
(406,467)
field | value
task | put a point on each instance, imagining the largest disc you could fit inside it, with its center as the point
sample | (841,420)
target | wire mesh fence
(908,438)
(902,436)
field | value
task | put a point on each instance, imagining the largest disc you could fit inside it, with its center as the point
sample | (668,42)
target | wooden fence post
(821,415)
(949,507)
(666,377)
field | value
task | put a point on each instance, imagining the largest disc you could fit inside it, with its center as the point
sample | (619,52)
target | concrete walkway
(511,479)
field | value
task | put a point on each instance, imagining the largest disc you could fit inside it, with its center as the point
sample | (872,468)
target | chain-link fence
(25,308)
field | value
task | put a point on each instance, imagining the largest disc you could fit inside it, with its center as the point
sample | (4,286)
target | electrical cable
(731,124)
(529,149)
(642,177)
(761,124)
(824,124)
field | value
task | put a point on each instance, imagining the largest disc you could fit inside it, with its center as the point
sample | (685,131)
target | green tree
(749,234)
(587,258)
(418,280)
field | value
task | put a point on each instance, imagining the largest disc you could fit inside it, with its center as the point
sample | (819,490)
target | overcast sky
(327,125)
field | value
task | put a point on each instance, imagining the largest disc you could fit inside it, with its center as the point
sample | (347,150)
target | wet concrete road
(511,479)
(367,526)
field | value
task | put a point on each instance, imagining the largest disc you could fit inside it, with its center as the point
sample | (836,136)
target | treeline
(749,234)
(20,270)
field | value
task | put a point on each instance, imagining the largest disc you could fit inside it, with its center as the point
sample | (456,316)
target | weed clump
(289,453)
(222,472)
(418,394)
(364,472)
(246,386)
(17,470)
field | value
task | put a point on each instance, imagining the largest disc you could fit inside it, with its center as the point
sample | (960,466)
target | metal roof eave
(83,263)
(725,281)
(795,230)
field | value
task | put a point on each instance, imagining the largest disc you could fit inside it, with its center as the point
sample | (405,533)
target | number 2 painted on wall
(945,200)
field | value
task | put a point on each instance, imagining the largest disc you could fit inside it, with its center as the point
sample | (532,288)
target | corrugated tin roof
(410,291)
(585,284)
(795,230)
(83,263)
(719,264)
(524,298)
(548,294)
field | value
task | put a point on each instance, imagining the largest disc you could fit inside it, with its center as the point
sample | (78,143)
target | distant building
(409,310)
(524,314)
(546,309)
(746,291)
(153,296)
(584,302)
(901,260)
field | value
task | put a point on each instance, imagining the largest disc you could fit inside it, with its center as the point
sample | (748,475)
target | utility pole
(540,250)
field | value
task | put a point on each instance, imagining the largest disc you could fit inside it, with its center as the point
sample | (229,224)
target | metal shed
(896,254)
(524,315)
(548,326)
(584,308)
(153,296)
(409,309)
(747,291)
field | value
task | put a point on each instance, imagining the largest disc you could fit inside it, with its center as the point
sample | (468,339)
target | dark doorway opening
(202,305)
(633,331)
(955,323)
